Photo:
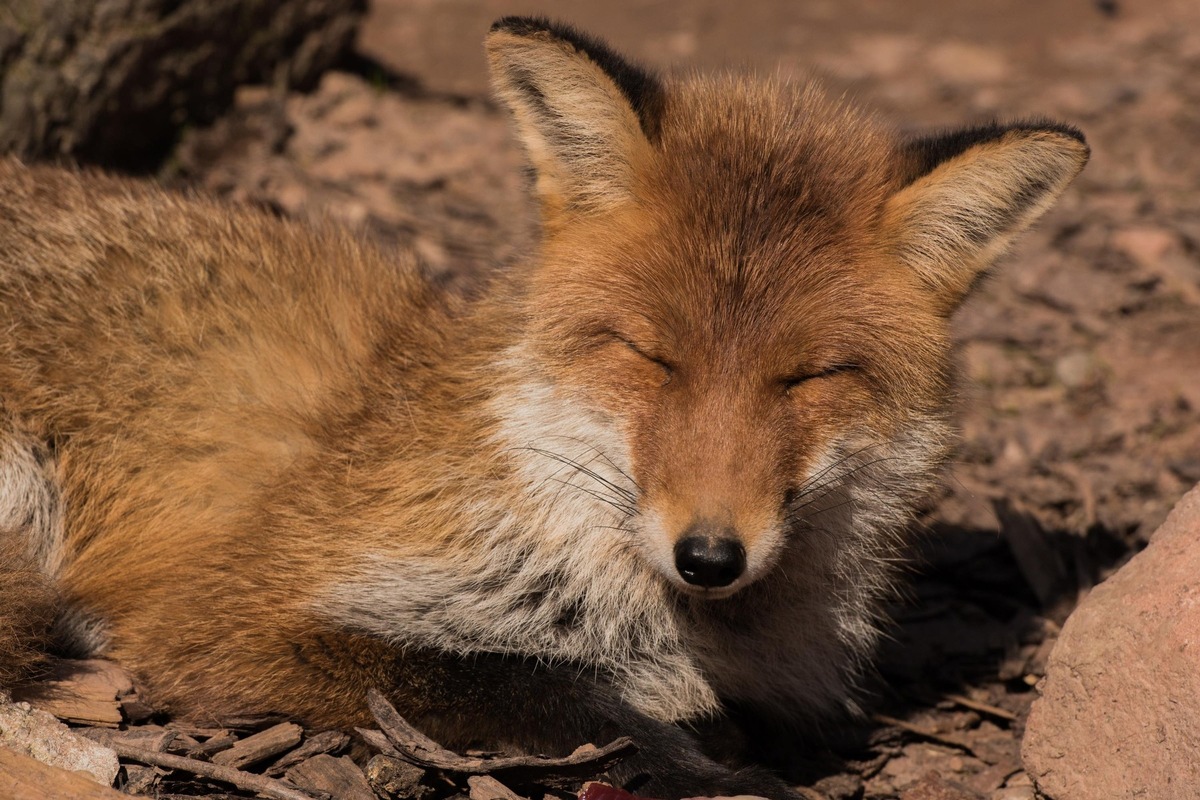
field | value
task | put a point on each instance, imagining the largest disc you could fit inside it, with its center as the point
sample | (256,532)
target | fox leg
(500,701)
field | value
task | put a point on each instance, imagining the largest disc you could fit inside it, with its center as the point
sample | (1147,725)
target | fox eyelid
(804,377)
(667,367)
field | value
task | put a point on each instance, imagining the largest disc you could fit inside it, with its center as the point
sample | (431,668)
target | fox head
(751,284)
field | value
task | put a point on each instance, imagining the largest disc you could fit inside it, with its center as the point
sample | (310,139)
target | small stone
(1076,369)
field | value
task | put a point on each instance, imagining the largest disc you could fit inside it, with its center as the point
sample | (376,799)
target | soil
(1081,356)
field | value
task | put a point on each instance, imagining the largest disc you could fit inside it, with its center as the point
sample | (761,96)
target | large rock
(113,81)
(42,737)
(1119,715)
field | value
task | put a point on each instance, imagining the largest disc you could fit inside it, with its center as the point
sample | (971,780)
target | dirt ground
(1081,404)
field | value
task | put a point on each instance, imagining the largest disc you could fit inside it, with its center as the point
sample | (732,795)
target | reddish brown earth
(1081,408)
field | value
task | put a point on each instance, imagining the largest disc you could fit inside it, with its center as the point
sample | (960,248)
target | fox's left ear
(971,192)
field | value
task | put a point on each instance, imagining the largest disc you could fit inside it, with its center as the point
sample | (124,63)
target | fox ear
(971,192)
(585,116)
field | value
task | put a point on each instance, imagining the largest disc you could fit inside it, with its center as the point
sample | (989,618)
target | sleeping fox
(661,470)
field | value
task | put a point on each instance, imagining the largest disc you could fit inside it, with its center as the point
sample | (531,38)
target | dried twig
(417,748)
(243,780)
(983,708)
(924,733)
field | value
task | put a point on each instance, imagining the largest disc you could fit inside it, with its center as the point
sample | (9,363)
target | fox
(659,473)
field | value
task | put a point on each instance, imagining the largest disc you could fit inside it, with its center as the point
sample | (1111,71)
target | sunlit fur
(738,313)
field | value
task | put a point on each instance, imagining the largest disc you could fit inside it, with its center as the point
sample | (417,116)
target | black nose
(710,561)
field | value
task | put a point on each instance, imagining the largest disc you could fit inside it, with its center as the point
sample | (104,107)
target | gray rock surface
(39,735)
(113,81)
(1119,715)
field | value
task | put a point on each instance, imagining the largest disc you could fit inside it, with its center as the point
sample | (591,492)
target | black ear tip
(932,149)
(525,26)
(1043,124)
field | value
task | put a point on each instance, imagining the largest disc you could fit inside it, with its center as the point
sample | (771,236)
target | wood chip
(141,780)
(219,743)
(417,748)
(485,787)
(148,737)
(339,777)
(25,778)
(261,746)
(195,731)
(315,745)
(393,777)
(83,692)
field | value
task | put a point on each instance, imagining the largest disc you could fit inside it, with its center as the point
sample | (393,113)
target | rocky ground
(1081,405)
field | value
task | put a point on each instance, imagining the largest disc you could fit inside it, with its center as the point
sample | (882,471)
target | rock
(1119,715)
(39,735)
(113,81)
(25,778)
(1076,368)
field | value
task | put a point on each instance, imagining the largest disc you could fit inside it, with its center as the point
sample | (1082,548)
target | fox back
(677,449)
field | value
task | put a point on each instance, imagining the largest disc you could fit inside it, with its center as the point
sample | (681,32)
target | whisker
(833,483)
(583,469)
(627,510)
(808,483)
(604,456)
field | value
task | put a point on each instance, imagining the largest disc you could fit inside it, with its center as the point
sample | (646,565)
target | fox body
(662,468)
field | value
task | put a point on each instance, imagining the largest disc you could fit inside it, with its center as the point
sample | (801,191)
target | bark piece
(318,743)
(149,737)
(40,736)
(1117,715)
(393,777)
(141,780)
(485,787)
(112,81)
(85,692)
(339,777)
(25,778)
(219,742)
(260,746)
(417,748)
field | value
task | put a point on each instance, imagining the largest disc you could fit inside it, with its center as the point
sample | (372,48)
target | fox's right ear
(585,115)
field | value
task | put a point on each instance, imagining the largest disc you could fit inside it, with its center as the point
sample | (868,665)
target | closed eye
(792,381)
(666,366)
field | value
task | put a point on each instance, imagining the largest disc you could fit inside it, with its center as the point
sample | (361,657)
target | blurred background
(1081,408)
